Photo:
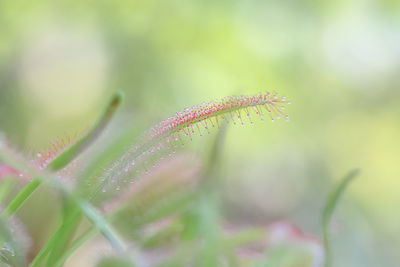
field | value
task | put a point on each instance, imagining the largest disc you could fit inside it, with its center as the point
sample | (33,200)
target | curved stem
(75,245)
(50,243)
(329,208)
(99,223)
(71,153)
(21,197)
(68,155)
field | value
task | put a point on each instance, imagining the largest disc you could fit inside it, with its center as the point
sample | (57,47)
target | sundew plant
(142,196)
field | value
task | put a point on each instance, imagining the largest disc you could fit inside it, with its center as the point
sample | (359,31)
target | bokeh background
(337,61)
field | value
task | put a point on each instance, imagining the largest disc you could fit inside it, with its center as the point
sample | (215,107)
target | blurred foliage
(329,209)
(115,261)
(11,250)
(337,61)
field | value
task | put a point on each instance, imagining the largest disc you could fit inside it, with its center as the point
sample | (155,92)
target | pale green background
(337,61)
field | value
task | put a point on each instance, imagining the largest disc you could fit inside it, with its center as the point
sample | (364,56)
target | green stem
(74,208)
(328,212)
(62,237)
(71,153)
(91,232)
(66,235)
(99,224)
(75,245)
(52,241)
(105,228)
(21,197)
(68,155)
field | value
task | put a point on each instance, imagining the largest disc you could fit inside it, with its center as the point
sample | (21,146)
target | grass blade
(21,197)
(62,160)
(100,222)
(71,153)
(329,208)
(75,245)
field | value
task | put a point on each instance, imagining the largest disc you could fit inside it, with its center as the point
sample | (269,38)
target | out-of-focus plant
(175,200)
(170,217)
(328,212)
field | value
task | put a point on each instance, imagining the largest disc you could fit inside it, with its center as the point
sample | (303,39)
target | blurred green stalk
(68,155)
(329,208)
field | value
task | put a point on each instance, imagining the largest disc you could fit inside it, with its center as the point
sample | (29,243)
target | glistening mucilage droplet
(163,139)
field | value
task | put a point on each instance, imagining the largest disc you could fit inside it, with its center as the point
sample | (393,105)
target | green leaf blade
(329,209)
